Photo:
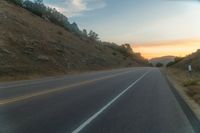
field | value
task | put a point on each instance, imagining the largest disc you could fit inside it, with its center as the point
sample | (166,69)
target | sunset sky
(153,27)
(162,48)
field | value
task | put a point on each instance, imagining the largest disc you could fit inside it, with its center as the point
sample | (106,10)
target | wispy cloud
(73,8)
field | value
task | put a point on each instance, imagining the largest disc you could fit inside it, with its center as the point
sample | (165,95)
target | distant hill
(32,45)
(164,60)
(192,59)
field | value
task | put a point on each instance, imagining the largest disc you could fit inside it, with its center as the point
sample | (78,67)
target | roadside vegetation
(176,60)
(51,14)
(189,80)
(159,64)
(39,41)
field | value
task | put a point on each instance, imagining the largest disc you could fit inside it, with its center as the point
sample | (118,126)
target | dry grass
(191,82)
(194,92)
(31,46)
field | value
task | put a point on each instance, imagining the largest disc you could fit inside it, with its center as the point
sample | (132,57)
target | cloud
(72,8)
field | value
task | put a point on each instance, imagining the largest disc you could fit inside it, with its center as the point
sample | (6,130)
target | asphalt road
(133,100)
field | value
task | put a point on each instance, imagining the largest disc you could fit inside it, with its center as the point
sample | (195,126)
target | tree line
(51,14)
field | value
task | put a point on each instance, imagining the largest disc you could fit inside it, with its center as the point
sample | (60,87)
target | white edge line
(89,120)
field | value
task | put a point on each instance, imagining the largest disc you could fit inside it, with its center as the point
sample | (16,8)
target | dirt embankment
(32,47)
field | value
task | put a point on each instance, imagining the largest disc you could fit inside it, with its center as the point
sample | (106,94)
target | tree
(159,64)
(85,33)
(128,48)
(93,36)
(38,8)
(39,1)
(28,5)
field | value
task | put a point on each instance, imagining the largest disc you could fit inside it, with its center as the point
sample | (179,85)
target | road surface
(131,100)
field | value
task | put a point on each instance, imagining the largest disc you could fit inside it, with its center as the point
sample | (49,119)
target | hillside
(164,60)
(193,59)
(31,45)
(190,82)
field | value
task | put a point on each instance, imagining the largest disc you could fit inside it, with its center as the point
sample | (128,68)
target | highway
(129,100)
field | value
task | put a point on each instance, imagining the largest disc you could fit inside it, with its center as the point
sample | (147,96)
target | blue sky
(134,21)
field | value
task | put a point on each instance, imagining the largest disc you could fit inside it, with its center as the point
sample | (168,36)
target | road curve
(132,100)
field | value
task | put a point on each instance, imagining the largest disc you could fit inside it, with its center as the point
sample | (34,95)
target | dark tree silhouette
(159,64)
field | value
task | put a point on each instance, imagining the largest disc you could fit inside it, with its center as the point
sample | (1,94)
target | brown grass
(29,46)
(191,82)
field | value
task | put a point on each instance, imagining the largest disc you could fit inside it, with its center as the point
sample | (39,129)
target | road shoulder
(189,106)
(182,91)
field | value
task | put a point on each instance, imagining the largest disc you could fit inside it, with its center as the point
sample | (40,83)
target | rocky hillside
(31,45)
(193,59)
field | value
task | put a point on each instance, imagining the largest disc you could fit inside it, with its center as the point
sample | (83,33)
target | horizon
(63,70)
(167,48)
(138,22)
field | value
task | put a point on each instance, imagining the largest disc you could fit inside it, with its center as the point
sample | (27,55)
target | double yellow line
(20,98)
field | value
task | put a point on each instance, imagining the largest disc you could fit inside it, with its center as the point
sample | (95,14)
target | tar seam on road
(20,98)
(90,119)
(194,121)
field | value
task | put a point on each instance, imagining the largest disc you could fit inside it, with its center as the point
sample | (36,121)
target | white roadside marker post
(190,70)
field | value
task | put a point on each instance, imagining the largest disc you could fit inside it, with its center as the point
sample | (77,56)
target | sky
(153,27)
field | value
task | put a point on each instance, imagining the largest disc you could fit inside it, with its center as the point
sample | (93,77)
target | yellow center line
(20,98)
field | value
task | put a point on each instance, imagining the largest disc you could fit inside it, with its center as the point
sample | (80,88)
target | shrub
(190,83)
(38,8)
(159,65)
(176,60)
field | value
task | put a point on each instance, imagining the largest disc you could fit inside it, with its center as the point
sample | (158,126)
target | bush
(38,8)
(170,63)
(190,83)
(159,65)
(176,60)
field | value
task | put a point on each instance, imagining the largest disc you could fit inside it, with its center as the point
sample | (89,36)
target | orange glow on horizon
(165,48)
